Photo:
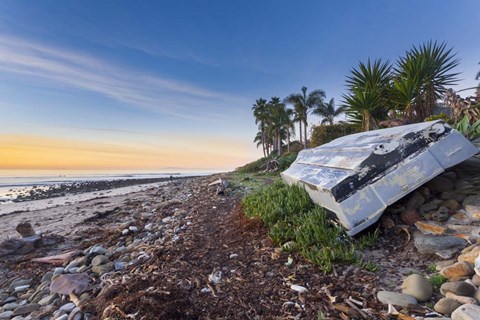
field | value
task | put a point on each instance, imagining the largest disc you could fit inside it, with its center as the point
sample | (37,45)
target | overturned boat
(359,175)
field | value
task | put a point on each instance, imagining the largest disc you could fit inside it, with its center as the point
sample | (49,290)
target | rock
(99,260)
(460,288)
(451,204)
(6,315)
(415,200)
(104,268)
(149,227)
(446,306)
(466,312)
(10,306)
(133,229)
(71,265)
(460,217)
(97,250)
(21,288)
(450,175)
(59,270)
(472,206)
(25,229)
(47,300)
(444,263)
(440,184)
(456,270)
(418,287)
(29,308)
(430,206)
(62,317)
(395,298)
(47,276)
(76,314)
(461,299)
(409,217)
(477,295)
(443,246)
(441,215)
(476,280)
(470,256)
(68,307)
(70,283)
(453,196)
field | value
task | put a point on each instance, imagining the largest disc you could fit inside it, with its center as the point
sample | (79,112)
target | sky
(169,85)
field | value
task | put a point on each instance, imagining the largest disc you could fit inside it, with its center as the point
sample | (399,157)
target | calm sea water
(14,182)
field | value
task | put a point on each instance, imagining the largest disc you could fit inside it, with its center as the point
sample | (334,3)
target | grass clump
(437,280)
(292,217)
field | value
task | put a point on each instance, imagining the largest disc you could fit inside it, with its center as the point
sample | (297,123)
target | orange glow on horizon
(22,152)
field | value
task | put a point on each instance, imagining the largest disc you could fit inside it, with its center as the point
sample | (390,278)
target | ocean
(13,183)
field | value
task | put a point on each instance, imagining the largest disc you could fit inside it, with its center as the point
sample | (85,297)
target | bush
(254,166)
(294,219)
(325,133)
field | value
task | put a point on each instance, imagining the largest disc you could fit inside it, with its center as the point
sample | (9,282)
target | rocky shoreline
(180,251)
(64,189)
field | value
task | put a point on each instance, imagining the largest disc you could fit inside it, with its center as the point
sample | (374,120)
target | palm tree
(304,102)
(289,126)
(278,118)
(421,78)
(260,114)
(368,86)
(328,112)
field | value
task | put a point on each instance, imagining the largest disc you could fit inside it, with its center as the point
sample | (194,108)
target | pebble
(446,306)
(133,229)
(26,309)
(10,306)
(98,250)
(99,260)
(395,298)
(440,184)
(461,299)
(104,268)
(451,204)
(457,270)
(72,264)
(47,276)
(466,312)
(62,317)
(460,288)
(149,227)
(471,255)
(6,315)
(418,287)
(409,217)
(68,307)
(21,288)
(47,300)
(453,196)
(58,270)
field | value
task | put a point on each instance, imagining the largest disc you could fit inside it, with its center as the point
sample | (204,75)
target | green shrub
(441,116)
(469,130)
(292,217)
(286,160)
(325,133)
(254,166)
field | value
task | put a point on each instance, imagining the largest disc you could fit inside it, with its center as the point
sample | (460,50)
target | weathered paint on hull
(359,175)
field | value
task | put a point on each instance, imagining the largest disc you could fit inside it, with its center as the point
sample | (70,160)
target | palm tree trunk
(288,140)
(305,133)
(301,131)
(279,142)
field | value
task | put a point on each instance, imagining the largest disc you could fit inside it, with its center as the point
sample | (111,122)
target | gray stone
(460,288)
(76,314)
(104,268)
(415,201)
(70,283)
(29,308)
(446,306)
(62,317)
(476,280)
(10,306)
(6,315)
(73,270)
(25,229)
(430,206)
(395,298)
(47,300)
(99,260)
(418,287)
(68,307)
(72,264)
(440,184)
(453,196)
(47,276)
(21,288)
(441,215)
(59,270)
(466,312)
(149,227)
(443,246)
(18,283)
(98,250)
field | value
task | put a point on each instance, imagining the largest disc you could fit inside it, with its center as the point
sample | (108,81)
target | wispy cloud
(57,67)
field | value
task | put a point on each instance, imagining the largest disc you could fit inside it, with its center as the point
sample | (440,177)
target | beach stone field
(179,250)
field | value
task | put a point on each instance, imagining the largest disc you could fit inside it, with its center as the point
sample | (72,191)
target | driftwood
(221,184)
(57,259)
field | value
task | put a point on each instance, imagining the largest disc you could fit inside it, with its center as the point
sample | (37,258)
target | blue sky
(150,77)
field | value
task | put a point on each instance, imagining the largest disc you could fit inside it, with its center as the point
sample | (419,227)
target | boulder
(457,270)
(418,287)
(446,306)
(466,312)
(460,288)
(395,298)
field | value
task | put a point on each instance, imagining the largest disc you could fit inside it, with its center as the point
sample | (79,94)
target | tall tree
(421,77)
(289,126)
(261,115)
(303,103)
(328,111)
(277,119)
(369,85)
